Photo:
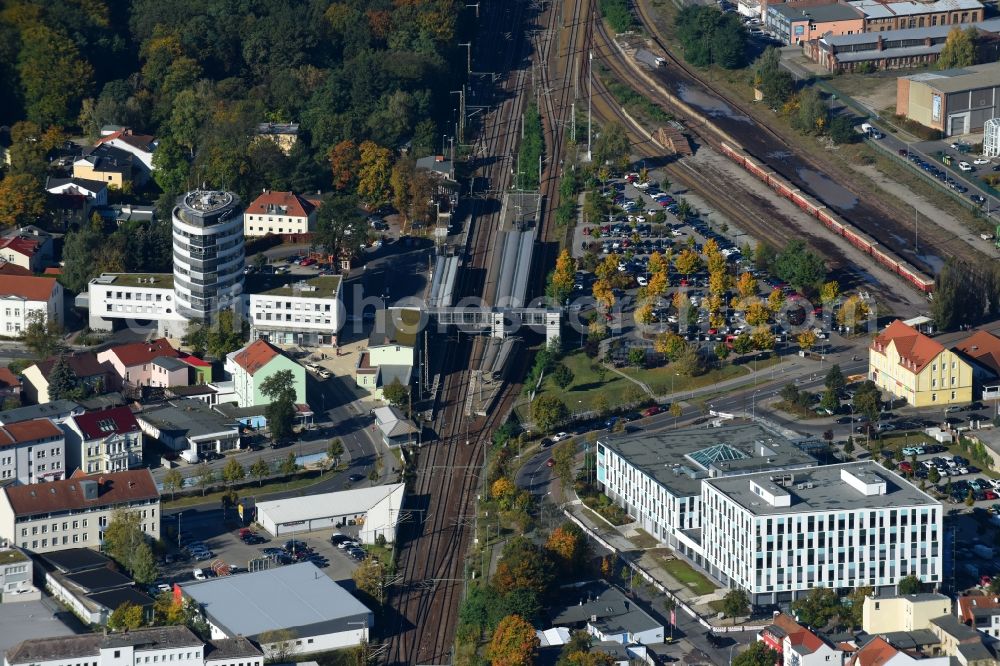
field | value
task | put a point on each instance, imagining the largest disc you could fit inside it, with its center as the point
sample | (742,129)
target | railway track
(889,226)
(431,557)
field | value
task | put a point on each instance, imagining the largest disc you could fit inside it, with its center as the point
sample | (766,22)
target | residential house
(10,386)
(142,146)
(607,614)
(279,213)
(797,645)
(95,192)
(90,584)
(16,571)
(108,440)
(251,366)
(90,373)
(307,313)
(982,350)
(32,452)
(902,612)
(391,352)
(134,362)
(190,427)
(910,365)
(20,296)
(959,640)
(28,247)
(56,411)
(284,135)
(109,165)
(74,512)
(880,652)
(981,612)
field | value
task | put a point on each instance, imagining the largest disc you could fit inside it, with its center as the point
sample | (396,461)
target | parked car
(199,574)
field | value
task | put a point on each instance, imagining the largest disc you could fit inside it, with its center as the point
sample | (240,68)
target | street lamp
(753,404)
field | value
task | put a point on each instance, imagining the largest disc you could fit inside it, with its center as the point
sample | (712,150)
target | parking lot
(226,546)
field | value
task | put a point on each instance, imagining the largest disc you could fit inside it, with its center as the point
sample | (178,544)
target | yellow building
(903,612)
(908,364)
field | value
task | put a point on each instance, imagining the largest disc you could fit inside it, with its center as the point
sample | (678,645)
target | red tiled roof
(255,356)
(138,353)
(984,348)
(967,606)
(30,288)
(194,360)
(21,245)
(797,634)
(117,420)
(53,270)
(915,349)
(114,488)
(295,206)
(8,378)
(875,653)
(21,432)
(141,141)
(7,268)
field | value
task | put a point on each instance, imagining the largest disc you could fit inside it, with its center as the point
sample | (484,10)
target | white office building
(140,297)
(777,535)
(307,313)
(208,253)
(756,512)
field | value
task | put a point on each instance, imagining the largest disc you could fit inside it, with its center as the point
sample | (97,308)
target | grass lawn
(686,575)
(252,489)
(798,411)
(644,540)
(663,380)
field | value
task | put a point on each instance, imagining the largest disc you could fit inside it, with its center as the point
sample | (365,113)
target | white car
(642,186)
(965,166)
(642,280)
(560,437)
(325,374)
(313,367)
(980,161)
(199,574)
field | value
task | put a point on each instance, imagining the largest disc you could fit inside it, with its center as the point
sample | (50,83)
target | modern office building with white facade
(776,535)
(208,253)
(757,512)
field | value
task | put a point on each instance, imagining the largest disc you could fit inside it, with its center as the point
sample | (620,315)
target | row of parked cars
(349,546)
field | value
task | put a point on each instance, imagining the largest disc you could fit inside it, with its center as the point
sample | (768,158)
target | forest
(199,75)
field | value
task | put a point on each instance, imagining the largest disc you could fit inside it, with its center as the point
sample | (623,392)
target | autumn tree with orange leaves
(513,644)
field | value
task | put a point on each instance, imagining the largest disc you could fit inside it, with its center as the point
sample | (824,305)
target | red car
(586,231)
(990,494)
(650,411)
(308,261)
(905,467)
(551,462)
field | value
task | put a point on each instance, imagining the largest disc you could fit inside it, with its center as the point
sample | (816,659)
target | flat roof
(323,286)
(11,555)
(150,280)
(57,409)
(817,13)
(961,78)
(192,417)
(822,489)
(297,596)
(341,503)
(112,599)
(75,559)
(672,458)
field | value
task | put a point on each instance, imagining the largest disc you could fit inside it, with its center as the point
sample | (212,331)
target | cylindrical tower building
(208,253)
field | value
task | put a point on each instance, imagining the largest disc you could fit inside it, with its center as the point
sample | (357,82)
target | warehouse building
(374,511)
(297,606)
(953,101)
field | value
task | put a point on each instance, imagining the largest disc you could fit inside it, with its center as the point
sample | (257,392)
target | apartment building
(116,297)
(254,364)
(307,313)
(137,647)
(911,365)
(279,213)
(108,440)
(22,295)
(31,452)
(73,513)
(657,478)
(779,534)
(889,613)
(392,350)
(135,362)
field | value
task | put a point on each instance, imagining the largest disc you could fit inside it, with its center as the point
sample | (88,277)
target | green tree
(225,335)
(523,565)
(868,400)
(205,478)
(173,481)
(758,654)
(42,334)
(830,401)
(54,76)
(960,296)
(562,376)
(959,49)
(817,608)
(934,476)
(812,116)
(171,166)
(79,253)
(288,465)
(260,470)
(849,447)
(125,542)
(369,578)
(341,229)
(233,472)
(279,388)
(736,603)
(612,146)
(396,394)
(842,130)
(637,357)
(910,585)
(547,411)
(126,616)
(799,266)
(334,450)
(834,380)
(564,456)
(773,80)
(63,382)
(856,603)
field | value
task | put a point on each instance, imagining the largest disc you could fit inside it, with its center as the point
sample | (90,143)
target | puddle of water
(900,240)
(827,190)
(710,104)
(779,155)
